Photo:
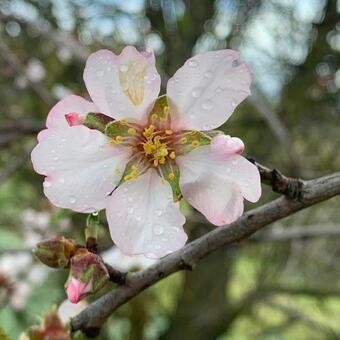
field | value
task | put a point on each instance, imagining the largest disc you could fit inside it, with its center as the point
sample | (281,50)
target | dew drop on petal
(125,189)
(55,158)
(130,211)
(234,162)
(72,200)
(207,105)
(158,229)
(138,218)
(130,199)
(99,74)
(159,212)
(208,74)
(192,63)
(196,92)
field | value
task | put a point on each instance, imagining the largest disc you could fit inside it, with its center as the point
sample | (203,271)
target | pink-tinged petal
(81,167)
(143,218)
(204,92)
(74,119)
(223,145)
(76,290)
(217,198)
(70,104)
(123,86)
(202,162)
(42,134)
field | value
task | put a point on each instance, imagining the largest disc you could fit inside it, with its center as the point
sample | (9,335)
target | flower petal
(123,86)
(70,104)
(82,168)
(204,92)
(204,168)
(143,219)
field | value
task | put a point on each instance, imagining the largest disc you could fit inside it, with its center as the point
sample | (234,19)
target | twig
(311,192)
(18,67)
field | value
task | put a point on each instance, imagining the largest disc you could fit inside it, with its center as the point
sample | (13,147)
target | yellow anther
(131,131)
(183,140)
(132,175)
(134,167)
(162,160)
(171,176)
(113,142)
(123,122)
(149,131)
(172,155)
(163,151)
(193,132)
(166,109)
(195,143)
(119,139)
(149,147)
(154,116)
(162,181)
(117,171)
(169,132)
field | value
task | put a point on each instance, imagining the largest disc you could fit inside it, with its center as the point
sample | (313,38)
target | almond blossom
(136,154)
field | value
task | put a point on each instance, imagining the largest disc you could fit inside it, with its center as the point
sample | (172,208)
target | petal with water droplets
(204,92)
(143,218)
(80,166)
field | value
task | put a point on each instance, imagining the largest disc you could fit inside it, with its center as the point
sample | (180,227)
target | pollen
(123,122)
(172,155)
(132,175)
(195,143)
(171,176)
(183,140)
(119,139)
(166,110)
(131,131)
(117,171)
(149,131)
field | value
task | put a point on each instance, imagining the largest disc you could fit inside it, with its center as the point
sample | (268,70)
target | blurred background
(283,283)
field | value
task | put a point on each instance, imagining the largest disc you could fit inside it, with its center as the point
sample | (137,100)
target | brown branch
(310,192)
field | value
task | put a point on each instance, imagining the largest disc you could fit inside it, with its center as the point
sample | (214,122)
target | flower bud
(50,328)
(55,253)
(74,119)
(88,275)
(223,145)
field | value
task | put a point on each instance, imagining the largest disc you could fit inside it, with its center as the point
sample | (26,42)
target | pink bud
(223,145)
(76,290)
(74,119)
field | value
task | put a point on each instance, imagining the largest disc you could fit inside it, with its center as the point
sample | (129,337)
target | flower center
(156,145)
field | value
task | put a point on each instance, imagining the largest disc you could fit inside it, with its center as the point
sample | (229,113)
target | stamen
(172,155)
(131,131)
(169,132)
(171,176)
(183,140)
(195,143)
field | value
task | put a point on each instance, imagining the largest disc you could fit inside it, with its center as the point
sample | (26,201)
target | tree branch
(309,193)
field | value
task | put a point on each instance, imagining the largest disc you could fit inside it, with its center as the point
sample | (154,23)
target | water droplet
(208,74)
(61,180)
(159,212)
(47,184)
(192,116)
(207,105)
(138,218)
(234,162)
(192,63)
(158,246)
(105,166)
(119,214)
(219,90)
(130,211)
(125,189)
(72,200)
(196,92)
(99,74)
(123,68)
(95,213)
(130,199)
(52,168)
(227,170)
(55,158)
(63,140)
(158,229)
(233,103)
